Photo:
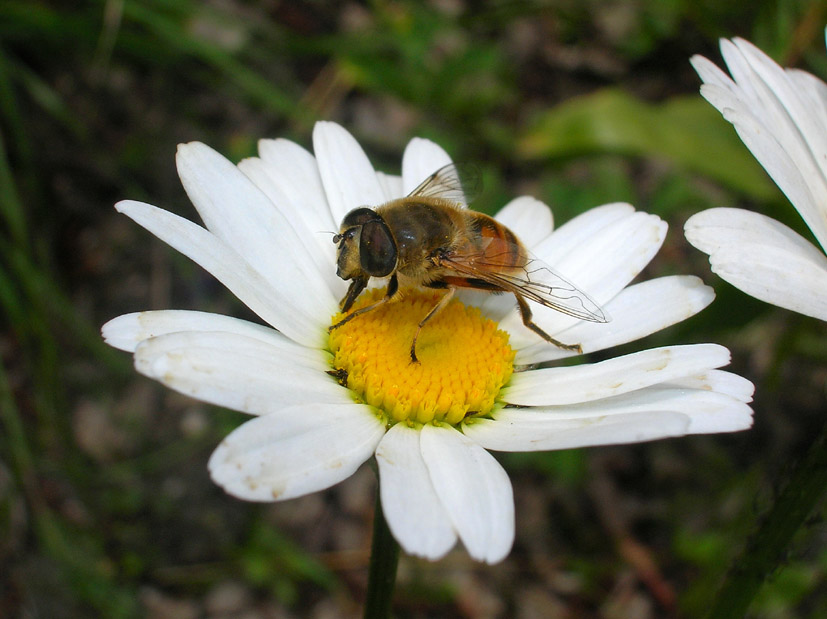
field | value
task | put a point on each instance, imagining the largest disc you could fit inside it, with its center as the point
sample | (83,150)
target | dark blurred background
(106,507)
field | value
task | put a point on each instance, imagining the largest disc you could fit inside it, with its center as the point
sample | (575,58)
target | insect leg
(353,292)
(525,313)
(393,287)
(434,310)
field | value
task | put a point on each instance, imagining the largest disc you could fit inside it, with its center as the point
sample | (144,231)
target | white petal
(295,311)
(716,228)
(707,411)
(347,174)
(421,159)
(637,311)
(586,382)
(474,489)
(414,512)
(763,258)
(775,276)
(238,372)
(710,74)
(237,212)
(391,186)
(605,263)
(300,450)
(304,221)
(719,381)
(581,229)
(294,172)
(127,331)
(528,218)
(505,434)
(812,90)
(643,415)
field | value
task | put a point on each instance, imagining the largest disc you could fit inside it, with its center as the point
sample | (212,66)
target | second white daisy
(781,116)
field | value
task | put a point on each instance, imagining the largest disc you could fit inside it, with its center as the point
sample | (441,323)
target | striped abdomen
(491,245)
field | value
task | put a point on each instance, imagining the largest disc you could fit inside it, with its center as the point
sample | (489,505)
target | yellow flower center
(463,359)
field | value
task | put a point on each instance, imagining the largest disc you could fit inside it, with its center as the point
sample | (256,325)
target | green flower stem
(765,550)
(384,557)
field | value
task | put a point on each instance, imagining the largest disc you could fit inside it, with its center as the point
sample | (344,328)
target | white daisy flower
(324,404)
(781,116)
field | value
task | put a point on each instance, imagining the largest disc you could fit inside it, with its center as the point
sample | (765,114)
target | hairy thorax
(423,228)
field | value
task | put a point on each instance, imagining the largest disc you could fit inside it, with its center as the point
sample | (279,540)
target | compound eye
(359,216)
(377,249)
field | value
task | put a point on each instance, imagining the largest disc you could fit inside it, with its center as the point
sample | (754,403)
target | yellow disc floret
(463,359)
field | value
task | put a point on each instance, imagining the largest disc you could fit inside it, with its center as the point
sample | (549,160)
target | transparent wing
(458,183)
(535,281)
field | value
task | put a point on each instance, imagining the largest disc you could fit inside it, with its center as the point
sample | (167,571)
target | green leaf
(686,131)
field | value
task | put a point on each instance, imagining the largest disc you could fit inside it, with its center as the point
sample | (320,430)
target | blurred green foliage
(104,500)
(685,131)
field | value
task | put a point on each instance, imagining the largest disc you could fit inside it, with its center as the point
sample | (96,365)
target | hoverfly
(429,239)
